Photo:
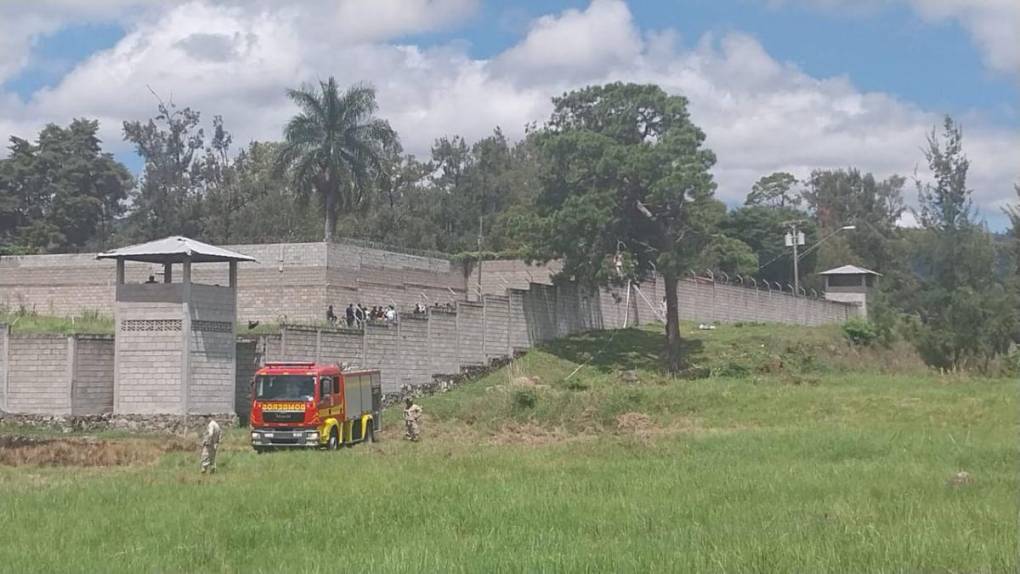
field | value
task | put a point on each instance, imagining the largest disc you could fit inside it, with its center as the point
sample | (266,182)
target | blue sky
(837,83)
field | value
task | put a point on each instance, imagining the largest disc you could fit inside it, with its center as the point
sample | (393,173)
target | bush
(860,332)
(524,399)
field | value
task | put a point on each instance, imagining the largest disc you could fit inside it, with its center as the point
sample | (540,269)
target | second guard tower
(851,284)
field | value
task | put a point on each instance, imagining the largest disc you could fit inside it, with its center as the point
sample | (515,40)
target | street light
(822,240)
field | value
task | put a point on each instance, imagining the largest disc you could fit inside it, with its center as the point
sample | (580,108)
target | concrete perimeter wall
(295,282)
(520,307)
(441,341)
(55,374)
(290,282)
(700,299)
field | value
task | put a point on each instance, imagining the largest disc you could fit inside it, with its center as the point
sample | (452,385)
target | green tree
(849,197)
(255,203)
(174,180)
(763,229)
(62,193)
(1013,212)
(729,255)
(626,179)
(334,146)
(966,315)
(774,190)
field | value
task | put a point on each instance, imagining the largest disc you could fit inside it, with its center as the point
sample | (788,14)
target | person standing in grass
(412,414)
(210,443)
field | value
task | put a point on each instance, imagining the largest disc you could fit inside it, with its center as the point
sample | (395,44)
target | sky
(777,85)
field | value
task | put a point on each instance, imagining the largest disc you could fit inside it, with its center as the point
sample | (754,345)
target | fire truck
(299,404)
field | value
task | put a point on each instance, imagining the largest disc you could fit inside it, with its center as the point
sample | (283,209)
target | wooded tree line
(617,183)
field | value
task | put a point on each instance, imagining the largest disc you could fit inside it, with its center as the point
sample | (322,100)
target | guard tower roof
(175,249)
(850,270)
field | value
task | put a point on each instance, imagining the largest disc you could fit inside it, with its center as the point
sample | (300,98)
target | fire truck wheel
(370,432)
(334,440)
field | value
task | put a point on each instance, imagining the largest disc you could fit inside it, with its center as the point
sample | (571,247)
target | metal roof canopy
(850,270)
(174,249)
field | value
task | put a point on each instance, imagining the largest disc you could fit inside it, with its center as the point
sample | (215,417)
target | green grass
(811,466)
(89,322)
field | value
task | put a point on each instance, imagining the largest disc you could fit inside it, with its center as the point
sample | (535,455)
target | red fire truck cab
(296,404)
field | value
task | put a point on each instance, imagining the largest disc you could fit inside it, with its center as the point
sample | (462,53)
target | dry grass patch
(16,450)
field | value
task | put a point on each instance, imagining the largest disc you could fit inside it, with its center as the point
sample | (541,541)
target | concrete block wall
(412,350)
(4,349)
(342,346)
(539,304)
(249,358)
(704,301)
(471,333)
(520,335)
(39,374)
(500,275)
(444,346)
(149,359)
(413,367)
(297,344)
(212,343)
(56,374)
(589,310)
(382,352)
(295,281)
(497,326)
(92,375)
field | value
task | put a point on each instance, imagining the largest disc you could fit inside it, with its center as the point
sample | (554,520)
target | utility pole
(479,258)
(794,239)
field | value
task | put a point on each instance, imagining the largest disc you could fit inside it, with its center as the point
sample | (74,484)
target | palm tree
(334,145)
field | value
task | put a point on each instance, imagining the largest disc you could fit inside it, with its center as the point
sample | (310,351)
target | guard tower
(175,340)
(851,284)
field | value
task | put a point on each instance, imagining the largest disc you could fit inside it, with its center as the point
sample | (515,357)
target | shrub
(524,399)
(860,332)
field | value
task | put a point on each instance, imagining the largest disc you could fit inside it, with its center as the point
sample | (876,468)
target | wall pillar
(485,355)
(5,362)
(69,374)
(186,339)
(168,273)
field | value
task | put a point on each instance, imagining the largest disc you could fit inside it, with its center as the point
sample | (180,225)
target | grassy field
(795,454)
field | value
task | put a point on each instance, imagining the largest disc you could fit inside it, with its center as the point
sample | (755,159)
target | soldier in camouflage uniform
(412,413)
(210,443)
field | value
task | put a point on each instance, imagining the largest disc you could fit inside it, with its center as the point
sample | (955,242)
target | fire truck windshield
(284,387)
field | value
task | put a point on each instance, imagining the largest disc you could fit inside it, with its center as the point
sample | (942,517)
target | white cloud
(993,24)
(760,115)
(575,44)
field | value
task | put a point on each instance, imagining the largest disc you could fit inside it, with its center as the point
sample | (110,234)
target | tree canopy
(62,193)
(335,146)
(625,190)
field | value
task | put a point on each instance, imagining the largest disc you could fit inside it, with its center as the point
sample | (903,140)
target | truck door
(327,393)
